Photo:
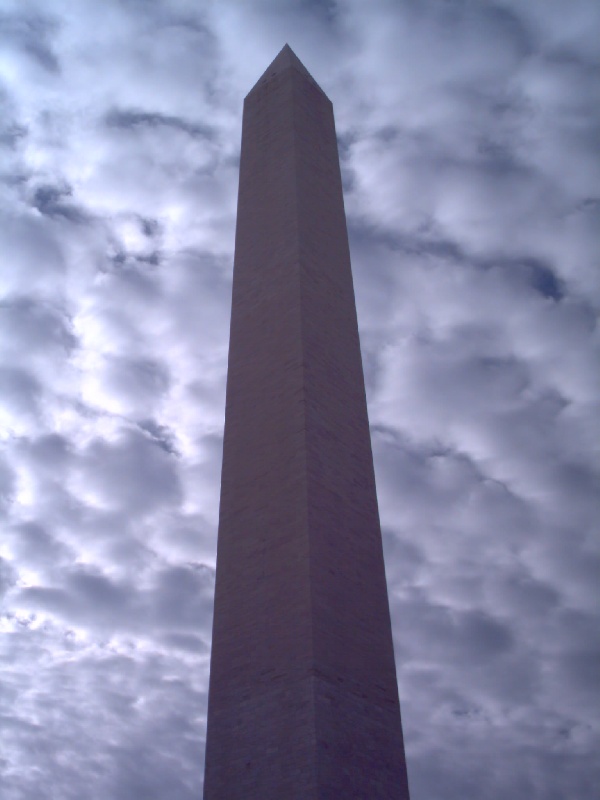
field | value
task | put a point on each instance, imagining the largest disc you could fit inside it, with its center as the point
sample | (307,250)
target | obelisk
(303,698)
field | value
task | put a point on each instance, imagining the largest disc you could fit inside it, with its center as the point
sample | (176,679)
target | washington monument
(303,699)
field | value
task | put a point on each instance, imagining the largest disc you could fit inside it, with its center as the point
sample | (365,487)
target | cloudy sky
(468,136)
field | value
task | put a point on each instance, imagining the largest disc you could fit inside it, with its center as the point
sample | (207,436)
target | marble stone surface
(303,699)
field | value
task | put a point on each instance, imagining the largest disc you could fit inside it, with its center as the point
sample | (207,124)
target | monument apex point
(284,60)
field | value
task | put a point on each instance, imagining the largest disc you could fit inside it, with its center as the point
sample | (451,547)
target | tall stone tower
(303,699)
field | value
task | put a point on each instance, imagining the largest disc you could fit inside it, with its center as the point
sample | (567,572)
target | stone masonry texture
(303,698)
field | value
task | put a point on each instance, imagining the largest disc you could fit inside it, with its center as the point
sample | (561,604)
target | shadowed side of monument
(303,699)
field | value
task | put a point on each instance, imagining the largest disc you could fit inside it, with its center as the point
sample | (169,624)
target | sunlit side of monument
(303,698)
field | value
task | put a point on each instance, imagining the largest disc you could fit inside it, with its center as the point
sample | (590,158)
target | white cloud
(468,140)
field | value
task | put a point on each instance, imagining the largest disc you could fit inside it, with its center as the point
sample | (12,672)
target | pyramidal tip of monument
(285,59)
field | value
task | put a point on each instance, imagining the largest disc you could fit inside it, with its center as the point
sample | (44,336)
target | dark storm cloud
(177,600)
(11,135)
(33,34)
(21,392)
(35,545)
(32,253)
(468,137)
(35,326)
(326,10)
(135,377)
(132,472)
(161,434)
(8,577)
(130,120)
(53,201)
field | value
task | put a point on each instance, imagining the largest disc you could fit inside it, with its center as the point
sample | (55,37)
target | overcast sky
(468,135)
